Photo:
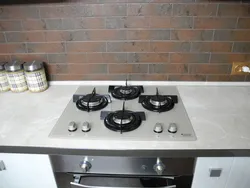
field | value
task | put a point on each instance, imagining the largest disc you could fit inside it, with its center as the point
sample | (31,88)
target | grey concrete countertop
(219,113)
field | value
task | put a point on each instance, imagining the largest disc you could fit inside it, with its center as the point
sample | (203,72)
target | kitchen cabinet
(240,173)
(203,167)
(26,171)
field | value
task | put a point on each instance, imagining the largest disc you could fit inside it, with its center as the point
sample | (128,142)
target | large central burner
(122,120)
(158,103)
(125,92)
(92,102)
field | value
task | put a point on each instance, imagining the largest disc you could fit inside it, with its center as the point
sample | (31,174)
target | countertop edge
(130,153)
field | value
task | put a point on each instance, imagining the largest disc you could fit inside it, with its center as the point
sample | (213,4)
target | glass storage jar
(16,77)
(35,76)
(4,84)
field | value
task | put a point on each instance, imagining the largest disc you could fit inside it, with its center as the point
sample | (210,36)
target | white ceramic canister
(35,76)
(16,77)
(4,84)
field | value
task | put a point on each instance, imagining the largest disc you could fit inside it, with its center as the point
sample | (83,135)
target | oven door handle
(91,186)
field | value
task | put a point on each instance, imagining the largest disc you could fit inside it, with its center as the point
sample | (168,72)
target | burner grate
(91,102)
(158,103)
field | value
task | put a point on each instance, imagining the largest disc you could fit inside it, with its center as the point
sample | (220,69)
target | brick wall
(134,39)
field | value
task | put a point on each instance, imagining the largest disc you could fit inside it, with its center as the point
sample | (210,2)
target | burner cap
(92,102)
(158,100)
(126,92)
(121,118)
(157,103)
(122,121)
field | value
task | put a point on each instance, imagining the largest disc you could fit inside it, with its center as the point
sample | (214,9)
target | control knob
(72,126)
(159,167)
(85,166)
(172,128)
(158,128)
(86,127)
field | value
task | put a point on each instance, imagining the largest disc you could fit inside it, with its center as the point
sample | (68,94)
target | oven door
(121,172)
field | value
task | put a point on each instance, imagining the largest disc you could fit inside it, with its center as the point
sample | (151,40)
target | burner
(158,103)
(92,102)
(125,92)
(123,120)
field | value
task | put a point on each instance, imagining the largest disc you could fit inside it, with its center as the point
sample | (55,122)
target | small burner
(158,103)
(123,120)
(92,102)
(125,92)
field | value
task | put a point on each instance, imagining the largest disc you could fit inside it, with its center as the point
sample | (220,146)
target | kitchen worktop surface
(219,113)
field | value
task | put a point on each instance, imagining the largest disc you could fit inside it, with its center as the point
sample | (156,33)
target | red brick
(98,35)
(57,68)
(106,57)
(209,69)
(88,77)
(127,68)
(229,57)
(2,38)
(5,58)
(171,22)
(128,46)
(232,35)
(190,34)
(52,36)
(115,9)
(243,23)
(25,36)
(67,58)
(186,77)
(189,58)
(150,77)
(150,9)
(148,57)
(211,47)
(170,46)
(45,47)
(84,23)
(10,25)
(168,68)
(148,34)
(87,69)
(86,46)
(194,9)
(214,23)
(225,78)
(12,48)
(136,22)
(31,25)
(19,12)
(29,57)
(233,10)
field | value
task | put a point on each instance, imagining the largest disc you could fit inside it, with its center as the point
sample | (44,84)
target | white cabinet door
(202,177)
(26,171)
(240,173)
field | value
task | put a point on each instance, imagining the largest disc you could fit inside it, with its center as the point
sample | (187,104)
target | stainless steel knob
(159,167)
(86,127)
(172,128)
(72,126)
(85,166)
(158,128)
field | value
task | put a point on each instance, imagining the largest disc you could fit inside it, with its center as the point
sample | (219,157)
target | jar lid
(13,66)
(2,65)
(33,65)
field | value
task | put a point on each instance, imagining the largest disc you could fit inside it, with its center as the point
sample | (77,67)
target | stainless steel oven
(122,172)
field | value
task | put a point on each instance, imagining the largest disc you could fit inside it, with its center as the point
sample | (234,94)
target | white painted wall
(26,171)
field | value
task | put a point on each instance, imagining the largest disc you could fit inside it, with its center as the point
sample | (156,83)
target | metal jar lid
(2,65)
(13,66)
(33,66)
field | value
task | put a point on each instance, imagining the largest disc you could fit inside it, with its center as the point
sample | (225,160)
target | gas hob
(152,113)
